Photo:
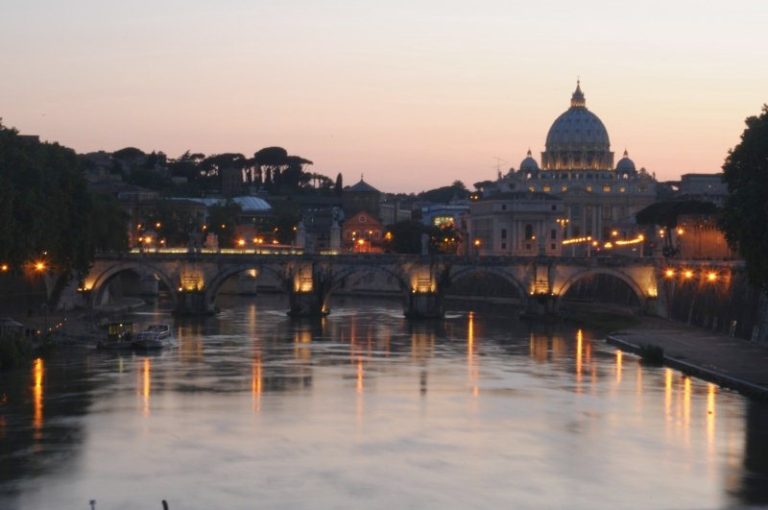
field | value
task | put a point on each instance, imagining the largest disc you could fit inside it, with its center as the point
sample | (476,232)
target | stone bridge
(309,280)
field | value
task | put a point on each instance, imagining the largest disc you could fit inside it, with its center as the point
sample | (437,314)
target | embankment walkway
(730,362)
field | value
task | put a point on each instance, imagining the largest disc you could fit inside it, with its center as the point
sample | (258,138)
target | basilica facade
(599,199)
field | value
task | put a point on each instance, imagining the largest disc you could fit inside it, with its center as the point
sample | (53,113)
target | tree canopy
(46,212)
(666,213)
(745,213)
(444,194)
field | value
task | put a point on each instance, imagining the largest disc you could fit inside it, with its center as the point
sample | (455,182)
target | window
(546,189)
(528,232)
(564,188)
(589,189)
(503,207)
(606,189)
(553,234)
(503,246)
(552,246)
(622,189)
(503,233)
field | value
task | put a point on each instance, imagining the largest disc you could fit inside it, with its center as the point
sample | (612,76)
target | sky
(413,94)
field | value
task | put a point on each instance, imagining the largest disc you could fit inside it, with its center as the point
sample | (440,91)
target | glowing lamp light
(614,233)
(688,274)
(361,242)
(39,266)
(608,245)
(477,242)
(669,273)
(4,267)
(241,242)
(711,276)
(680,231)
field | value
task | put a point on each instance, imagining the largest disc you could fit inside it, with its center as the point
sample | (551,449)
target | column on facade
(597,222)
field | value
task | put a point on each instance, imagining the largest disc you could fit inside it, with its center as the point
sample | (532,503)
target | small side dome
(529,164)
(626,165)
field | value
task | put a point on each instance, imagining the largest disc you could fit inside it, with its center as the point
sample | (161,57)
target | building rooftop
(361,186)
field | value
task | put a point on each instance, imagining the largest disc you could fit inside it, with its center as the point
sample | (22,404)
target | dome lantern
(577,99)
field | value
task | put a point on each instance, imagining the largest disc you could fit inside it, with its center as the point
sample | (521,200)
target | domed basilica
(577,167)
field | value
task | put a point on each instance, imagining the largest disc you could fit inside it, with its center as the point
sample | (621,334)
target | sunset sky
(414,94)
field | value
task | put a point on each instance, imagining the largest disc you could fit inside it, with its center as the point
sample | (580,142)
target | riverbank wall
(726,361)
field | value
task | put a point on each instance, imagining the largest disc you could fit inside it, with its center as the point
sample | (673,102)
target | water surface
(365,409)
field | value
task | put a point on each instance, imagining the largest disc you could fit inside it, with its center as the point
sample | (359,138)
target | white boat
(154,336)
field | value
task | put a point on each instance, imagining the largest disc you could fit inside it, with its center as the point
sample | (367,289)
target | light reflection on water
(366,409)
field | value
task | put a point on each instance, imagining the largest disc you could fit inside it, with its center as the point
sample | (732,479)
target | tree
(109,224)
(223,219)
(445,194)
(46,211)
(405,237)
(338,186)
(282,173)
(745,214)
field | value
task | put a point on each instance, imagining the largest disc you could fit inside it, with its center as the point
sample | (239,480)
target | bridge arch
(580,275)
(339,277)
(214,285)
(101,279)
(465,272)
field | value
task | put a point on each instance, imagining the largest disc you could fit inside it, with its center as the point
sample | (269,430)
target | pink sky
(413,96)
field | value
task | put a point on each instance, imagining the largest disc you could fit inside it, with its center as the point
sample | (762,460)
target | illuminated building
(362,233)
(517,223)
(578,168)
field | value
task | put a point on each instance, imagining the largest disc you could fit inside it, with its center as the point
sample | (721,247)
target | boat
(153,337)
(119,337)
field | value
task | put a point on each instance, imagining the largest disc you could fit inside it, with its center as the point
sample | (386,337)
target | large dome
(578,139)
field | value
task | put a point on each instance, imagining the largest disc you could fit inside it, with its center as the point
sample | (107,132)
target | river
(364,409)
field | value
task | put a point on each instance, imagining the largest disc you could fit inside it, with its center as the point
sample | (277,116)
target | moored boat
(119,337)
(154,337)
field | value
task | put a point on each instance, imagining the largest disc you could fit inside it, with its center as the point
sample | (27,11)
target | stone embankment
(730,362)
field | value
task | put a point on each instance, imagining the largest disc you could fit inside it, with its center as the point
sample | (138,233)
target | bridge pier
(307,305)
(424,305)
(192,302)
(541,304)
